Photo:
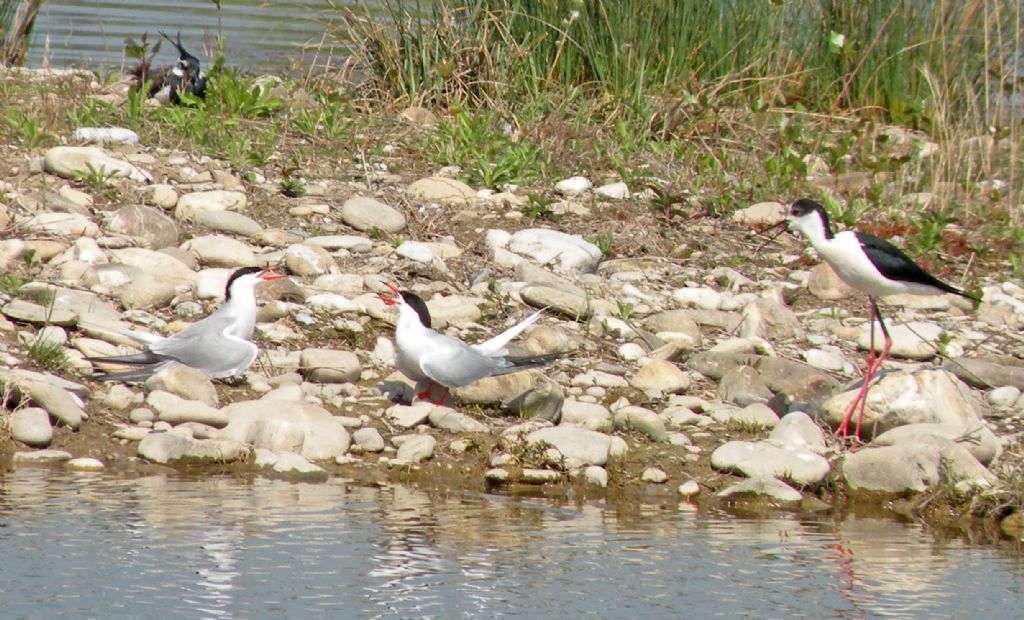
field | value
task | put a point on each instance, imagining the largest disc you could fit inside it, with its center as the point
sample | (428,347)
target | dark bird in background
(167,83)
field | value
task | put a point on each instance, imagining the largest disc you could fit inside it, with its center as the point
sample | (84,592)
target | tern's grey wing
(457,364)
(496,345)
(205,347)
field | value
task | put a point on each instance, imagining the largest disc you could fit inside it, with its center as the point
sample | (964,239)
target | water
(99,546)
(260,34)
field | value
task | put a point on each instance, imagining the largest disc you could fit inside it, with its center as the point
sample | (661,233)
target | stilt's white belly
(848,260)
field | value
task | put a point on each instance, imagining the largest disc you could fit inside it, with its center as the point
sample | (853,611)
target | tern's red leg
(444,395)
(426,393)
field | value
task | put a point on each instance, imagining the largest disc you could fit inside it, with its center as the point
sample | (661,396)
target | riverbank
(681,336)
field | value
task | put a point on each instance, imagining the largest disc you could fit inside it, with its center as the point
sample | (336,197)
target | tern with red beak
(219,345)
(429,358)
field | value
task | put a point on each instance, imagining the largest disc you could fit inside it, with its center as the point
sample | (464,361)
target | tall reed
(16,21)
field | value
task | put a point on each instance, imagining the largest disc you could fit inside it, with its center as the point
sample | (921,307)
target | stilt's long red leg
(878,362)
(869,370)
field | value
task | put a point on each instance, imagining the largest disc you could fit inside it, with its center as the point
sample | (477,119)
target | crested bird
(219,345)
(429,358)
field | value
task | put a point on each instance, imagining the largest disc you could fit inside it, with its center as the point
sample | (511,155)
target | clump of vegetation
(49,355)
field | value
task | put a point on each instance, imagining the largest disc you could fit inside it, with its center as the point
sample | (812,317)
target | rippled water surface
(77,546)
(259,33)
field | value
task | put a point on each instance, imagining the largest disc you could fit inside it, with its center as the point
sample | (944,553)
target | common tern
(870,265)
(430,358)
(219,345)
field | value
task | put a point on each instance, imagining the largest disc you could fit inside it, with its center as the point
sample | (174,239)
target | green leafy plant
(11,284)
(485,154)
(604,242)
(292,187)
(538,207)
(49,355)
(625,309)
(96,178)
(26,129)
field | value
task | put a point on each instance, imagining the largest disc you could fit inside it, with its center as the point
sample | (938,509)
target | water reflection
(260,34)
(224,547)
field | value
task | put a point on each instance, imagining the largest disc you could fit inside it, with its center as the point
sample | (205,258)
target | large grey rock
(408,416)
(220,251)
(44,390)
(578,446)
(174,409)
(743,386)
(640,419)
(71,162)
(592,416)
(659,377)
(497,390)
(325,436)
(916,340)
(329,365)
(761,489)
(571,253)
(914,467)
(229,222)
(365,213)
(767,318)
(167,448)
(442,189)
(31,426)
(797,431)
(156,265)
(934,396)
(572,304)
(987,372)
(27,312)
(148,227)
(981,442)
(760,459)
(185,382)
(416,449)
(61,224)
(455,421)
(191,206)
(308,260)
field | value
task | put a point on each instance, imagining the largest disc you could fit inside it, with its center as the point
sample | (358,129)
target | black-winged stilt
(870,265)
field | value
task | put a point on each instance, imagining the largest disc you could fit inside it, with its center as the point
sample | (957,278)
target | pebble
(570,253)
(147,227)
(689,488)
(329,365)
(417,449)
(573,186)
(441,189)
(71,161)
(654,475)
(31,426)
(190,206)
(365,213)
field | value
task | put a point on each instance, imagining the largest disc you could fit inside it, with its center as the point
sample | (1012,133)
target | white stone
(64,224)
(325,436)
(578,446)
(72,161)
(416,449)
(570,252)
(416,251)
(190,206)
(705,298)
(615,191)
(31,426)
(753,460)
(573,185)
(916,340)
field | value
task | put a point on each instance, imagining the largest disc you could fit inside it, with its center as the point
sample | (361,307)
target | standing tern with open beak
(429,358)
(219,345)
